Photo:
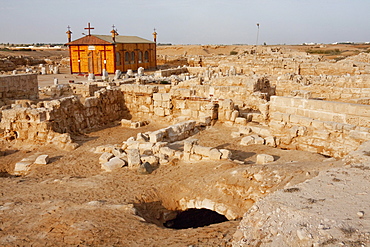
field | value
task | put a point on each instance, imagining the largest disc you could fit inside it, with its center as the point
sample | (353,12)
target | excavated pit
(156,213)
(194,218)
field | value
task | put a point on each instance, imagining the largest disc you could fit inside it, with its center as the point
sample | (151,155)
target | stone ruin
(280,98)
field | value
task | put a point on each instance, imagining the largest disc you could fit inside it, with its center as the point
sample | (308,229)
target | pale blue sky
(189,21)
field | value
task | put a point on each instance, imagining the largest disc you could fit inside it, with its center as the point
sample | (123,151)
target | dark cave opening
(193,218)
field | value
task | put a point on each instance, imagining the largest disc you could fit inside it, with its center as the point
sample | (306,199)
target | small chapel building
(93,53)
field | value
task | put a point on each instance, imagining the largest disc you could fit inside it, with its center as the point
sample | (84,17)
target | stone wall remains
(23,86)
(53,121)
(346,88)
(329,128)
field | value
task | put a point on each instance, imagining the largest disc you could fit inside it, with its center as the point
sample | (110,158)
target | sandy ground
(71,202)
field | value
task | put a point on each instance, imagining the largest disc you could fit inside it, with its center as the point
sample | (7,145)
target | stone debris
(134,125)
(24,166)
(236,134)
(133,158)
(42,159)
(155,149)
(105,157)
(264,159)
(112,164)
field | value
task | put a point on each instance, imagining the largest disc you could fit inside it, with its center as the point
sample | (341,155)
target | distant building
(93,53)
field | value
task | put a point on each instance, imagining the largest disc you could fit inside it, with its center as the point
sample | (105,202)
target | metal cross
(89,28)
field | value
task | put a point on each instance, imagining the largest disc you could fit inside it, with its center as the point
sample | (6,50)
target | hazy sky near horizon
(189,21)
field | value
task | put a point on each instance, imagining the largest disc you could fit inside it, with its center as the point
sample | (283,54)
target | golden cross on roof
(89,28)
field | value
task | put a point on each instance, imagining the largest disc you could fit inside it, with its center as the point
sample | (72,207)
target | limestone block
(167,151)
(112,164)
(286,117)
(302,130)
(186,112)
(159,111)
(293,131)
(42,159)
(236,134)
(188,145)
(22,167)
(258,140)
(245,130)
(225,154)
(124,146)
(264,108)
(194,114)
(214,154)
(228,114)
(132,145)
(178,155)
(153,160)
(104,148)
(167,112)
(173,132)
(208,204)
(195,157)
(294,119)
(133,158)
(186,156)
(146,147)
(148,101)
(157,146)
(156,136)
(221,208)
(166,104)
(141,137)
(189,125)
(321,134)
(203,151)
(257,117)
(264,159)
(248,140)
(359,135)
(227,104)
(305,121)
(276,116)
(144,109)
(234,115)
(145,168)
(261,130)
(166,97)
(180,104)
(126,123)
(270,141)
(157,96)
(118,152)
(277,126)
(241,121)
(205,120)
(105,157)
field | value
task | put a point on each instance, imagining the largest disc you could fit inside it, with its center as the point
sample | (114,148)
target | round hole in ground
(193,218)
(156,213)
